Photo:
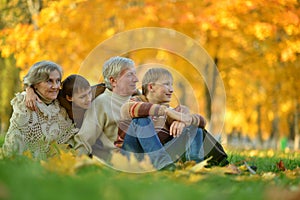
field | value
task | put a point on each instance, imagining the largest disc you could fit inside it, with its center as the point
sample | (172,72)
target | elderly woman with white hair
(34,131)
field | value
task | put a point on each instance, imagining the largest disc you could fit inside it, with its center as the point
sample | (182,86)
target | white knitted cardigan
(35,131)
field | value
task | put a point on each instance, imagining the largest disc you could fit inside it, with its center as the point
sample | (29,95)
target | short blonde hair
(40,72)
(152,75)
(113,67)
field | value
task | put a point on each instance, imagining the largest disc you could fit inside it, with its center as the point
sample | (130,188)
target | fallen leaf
(280,166)
(290,174)
(254,177)
(268,175)
(200,167)
(232,169)
(189,164)
(131,164)
(180,173)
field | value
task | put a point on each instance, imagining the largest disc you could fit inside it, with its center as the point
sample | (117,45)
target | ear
(112,81)
(150,87)
(69,98)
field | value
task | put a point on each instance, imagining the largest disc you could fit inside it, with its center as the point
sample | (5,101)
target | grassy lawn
(22,178)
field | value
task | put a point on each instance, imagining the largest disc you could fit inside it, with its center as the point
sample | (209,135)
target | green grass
(22,178)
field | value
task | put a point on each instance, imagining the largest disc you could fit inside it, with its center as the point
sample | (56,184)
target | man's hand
(31,98)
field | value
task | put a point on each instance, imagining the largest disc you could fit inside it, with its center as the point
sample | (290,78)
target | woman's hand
(31,98)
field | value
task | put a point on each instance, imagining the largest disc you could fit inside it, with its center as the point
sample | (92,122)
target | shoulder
(139,98)
(101,98)
(19,98)
(98,89)
(18,102)
(99,102)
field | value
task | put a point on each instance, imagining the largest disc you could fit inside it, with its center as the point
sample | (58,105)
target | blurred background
(254,45)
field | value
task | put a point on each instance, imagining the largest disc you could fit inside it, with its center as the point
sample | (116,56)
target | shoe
(170,167)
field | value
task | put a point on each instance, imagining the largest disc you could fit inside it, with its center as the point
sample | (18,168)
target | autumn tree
(254,44)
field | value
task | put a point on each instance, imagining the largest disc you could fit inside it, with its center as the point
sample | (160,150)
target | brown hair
(73,84)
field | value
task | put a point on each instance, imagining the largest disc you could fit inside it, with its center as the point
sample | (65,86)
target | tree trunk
(296,129)
(258,122)
(211,74)
(34,7)
(9,86)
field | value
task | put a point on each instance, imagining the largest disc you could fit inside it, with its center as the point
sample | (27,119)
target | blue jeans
(194,146)
(141,138)
(188,146)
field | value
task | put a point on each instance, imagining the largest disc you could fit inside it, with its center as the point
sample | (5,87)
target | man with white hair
(100,125)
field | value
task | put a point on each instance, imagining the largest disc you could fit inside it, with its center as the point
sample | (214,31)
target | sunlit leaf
(131,164)
(268,176)
(200,167)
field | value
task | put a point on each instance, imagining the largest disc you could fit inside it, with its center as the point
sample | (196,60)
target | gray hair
(113,67)
(40,72)
(152,75)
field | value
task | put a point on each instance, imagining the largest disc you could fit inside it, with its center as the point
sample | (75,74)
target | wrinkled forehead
(126,70)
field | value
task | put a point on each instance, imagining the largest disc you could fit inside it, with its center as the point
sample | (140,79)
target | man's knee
(145,121)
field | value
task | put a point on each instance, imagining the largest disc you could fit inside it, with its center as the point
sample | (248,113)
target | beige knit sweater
(100,124)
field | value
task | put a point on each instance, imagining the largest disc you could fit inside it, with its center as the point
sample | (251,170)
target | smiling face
(160,92)
(49,89)
(125,83)
(82,98)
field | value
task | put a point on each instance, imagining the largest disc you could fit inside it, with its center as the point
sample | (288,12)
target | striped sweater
(138,106)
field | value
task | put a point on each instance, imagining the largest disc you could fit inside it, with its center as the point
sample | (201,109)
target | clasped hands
(181,118)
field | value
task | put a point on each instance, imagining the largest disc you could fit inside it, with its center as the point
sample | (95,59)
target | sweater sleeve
(135,108)
(198,120)
(89,131)
(14,139)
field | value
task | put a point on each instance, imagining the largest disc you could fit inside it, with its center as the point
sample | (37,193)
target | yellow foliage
(268,176)
(251,40)
(131,164)
(65,161)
